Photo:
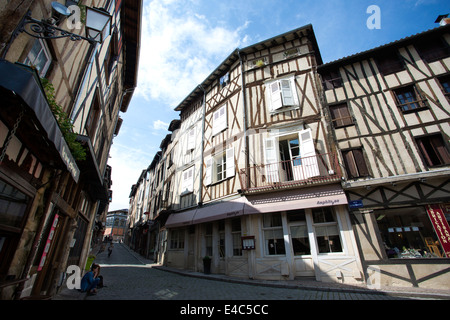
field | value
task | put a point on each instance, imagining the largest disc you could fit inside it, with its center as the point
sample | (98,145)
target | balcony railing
(319,169)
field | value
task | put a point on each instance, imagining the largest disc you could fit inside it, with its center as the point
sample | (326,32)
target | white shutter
(288,98)
(208,170)
(191,139)
(188,180)
(220,119)
(275,94)
(230,162)
(271,159)
(308,154)
(294,92)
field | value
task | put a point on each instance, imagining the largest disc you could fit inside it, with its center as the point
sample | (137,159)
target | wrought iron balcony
(319,169)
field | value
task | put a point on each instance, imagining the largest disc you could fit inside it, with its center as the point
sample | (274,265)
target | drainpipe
(200,184)
(244,98)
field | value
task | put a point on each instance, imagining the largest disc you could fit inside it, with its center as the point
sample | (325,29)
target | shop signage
(440,225)
(48,243)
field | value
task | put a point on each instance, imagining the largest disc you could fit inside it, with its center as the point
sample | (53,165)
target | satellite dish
(61,9)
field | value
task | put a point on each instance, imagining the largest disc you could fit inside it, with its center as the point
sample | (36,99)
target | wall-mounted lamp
(98,25)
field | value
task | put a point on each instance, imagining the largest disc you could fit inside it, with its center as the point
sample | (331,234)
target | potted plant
(207,265)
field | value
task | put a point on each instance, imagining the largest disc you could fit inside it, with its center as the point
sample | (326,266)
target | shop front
(404,241)
(272,236)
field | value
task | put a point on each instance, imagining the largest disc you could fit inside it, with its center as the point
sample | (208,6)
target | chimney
(443,19)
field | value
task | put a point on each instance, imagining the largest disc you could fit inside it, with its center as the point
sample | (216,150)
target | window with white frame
(327,230)
(219,122)
(273,234)
(220,166)
(281,93)
(177,239)
(187,184)
(39,57)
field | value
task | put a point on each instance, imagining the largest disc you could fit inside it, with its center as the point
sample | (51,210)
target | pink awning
(180,219)
(321,196)
(219,211)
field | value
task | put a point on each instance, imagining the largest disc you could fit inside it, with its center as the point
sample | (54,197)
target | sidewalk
(302,284)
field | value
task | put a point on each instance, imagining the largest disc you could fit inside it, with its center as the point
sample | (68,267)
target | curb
(393,293)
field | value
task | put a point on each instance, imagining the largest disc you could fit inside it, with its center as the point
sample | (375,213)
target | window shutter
(230,162)
(306,143)
(360,163)
(191,139)
(188,180)
(308,154)
(275,94)
(288,98)
(220,119)
(208,170)
(271,160)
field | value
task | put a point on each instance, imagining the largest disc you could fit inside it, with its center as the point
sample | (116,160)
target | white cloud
(160,125)
(127,164)
(179,49)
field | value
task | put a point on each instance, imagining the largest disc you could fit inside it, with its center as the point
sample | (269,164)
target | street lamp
(98,25)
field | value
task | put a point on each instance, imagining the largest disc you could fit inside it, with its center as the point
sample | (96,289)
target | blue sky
(183,41)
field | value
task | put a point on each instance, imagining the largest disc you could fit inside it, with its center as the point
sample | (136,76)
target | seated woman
(91,280)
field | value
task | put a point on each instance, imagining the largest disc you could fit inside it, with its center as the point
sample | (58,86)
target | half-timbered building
(60,104)
(265,199)
(388,113)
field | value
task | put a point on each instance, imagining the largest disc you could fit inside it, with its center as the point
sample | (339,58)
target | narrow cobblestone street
(128,276)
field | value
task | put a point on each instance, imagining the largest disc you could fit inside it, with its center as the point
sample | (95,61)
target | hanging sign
(440,225)
(248,243)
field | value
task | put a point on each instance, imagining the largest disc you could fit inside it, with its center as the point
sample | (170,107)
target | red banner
(440,225)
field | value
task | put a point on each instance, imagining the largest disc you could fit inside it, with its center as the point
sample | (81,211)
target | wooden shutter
(208,170)
(308,154)
(220,119)
(286,90)
(191,139)
(188,180)
(271,159)
(275,94)
(230,162)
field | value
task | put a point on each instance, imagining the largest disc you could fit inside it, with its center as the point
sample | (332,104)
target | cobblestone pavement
(128,276)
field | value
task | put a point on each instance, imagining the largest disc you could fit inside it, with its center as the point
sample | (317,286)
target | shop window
(236,236)
(327,230)
(355,165)
(433,150)
(177,239)
(273,234)
(409,99)
(433,48)
(389,62)
(408,233)
(332,79)
(299,233)
(340,115)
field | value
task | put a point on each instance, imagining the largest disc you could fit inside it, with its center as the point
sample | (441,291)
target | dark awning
(21,88)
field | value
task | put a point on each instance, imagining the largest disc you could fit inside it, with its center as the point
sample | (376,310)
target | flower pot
(206,266)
